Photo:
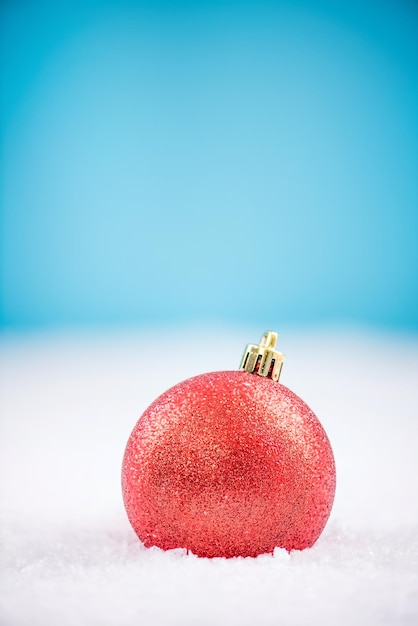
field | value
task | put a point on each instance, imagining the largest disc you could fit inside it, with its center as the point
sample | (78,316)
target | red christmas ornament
(230,464)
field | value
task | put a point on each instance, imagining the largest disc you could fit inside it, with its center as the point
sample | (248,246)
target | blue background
(209,162)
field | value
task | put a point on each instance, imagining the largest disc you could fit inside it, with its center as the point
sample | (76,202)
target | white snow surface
(69,556)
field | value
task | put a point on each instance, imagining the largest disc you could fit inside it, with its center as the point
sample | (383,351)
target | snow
(69,556)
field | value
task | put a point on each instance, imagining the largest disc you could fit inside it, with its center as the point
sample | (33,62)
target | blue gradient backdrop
(209,162)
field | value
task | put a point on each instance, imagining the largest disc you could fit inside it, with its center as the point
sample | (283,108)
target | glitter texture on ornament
(229,464)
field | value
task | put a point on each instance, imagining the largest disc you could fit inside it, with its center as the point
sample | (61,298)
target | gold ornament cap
(263,359)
